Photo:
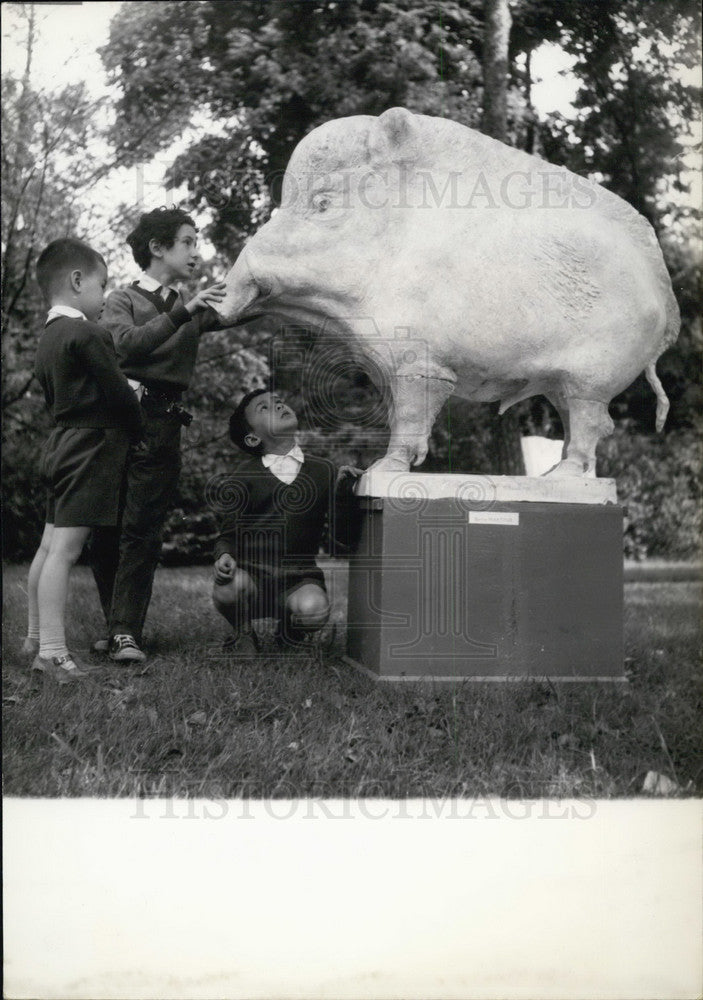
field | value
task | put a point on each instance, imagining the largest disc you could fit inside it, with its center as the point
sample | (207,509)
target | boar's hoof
(570,467)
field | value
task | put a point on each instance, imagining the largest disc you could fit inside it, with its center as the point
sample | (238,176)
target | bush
(23,495)
(659,483)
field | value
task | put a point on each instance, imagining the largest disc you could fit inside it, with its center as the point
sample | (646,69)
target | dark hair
(62,256)
(161,225)
(238,426)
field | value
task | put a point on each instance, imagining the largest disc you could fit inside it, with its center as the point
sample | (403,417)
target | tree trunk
(530,131)
(496,35)
(507,449)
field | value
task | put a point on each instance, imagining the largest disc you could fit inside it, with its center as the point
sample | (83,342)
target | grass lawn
(191,723)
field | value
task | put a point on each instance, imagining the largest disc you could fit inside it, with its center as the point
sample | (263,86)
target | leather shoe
(241,645)
(64,669)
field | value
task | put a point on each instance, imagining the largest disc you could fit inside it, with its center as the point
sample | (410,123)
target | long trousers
(124,559)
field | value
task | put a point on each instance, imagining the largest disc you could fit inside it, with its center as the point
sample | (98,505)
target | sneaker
(100,646)
(242,645)
(124,649)
(64,669)
(30,647)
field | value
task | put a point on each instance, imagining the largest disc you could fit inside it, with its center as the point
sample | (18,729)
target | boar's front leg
(415,402)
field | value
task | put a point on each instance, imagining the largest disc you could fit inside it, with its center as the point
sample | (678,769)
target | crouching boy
(281,501)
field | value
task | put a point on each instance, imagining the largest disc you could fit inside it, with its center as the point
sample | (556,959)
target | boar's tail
(662,399)
(671,333)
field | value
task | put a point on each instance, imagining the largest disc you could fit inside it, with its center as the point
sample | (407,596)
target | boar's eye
(321,202)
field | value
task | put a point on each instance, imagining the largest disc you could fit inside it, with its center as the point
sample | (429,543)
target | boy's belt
(168,399)
(161,393)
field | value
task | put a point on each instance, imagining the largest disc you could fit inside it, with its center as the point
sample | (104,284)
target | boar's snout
(242,289)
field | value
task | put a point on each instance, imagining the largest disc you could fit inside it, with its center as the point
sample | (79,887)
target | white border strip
(483,491)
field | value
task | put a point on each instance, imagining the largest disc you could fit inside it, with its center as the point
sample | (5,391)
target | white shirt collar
(296,453)
(61,310)
(285,467)
(151,284)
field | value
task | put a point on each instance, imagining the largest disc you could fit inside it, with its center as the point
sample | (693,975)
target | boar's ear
(394,138)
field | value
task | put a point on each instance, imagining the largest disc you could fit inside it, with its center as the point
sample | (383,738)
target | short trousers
(82,468)
(275,586)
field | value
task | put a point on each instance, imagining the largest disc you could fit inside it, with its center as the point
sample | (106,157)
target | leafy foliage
(47,165)
(659,484)
(268,72)
(628,59)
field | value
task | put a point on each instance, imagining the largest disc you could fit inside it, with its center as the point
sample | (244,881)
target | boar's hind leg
(416,401)
(585,422)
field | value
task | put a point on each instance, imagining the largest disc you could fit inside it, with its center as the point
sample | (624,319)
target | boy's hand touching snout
(207,297)
(348,472)
(224,568)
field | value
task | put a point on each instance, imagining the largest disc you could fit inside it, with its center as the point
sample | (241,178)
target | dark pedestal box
(449,590)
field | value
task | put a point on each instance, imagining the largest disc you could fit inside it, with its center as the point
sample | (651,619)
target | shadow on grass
(193,723)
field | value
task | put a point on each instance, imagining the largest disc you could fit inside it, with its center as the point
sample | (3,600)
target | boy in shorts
(97,415)
(281,500)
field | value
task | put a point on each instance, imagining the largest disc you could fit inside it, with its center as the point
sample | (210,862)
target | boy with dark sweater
(156,335)
(281,500)
(96,415)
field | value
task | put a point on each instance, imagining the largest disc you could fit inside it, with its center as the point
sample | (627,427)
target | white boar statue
(518,277)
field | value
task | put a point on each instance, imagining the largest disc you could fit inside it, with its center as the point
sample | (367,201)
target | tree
(494,122)
(268,72)
(497,23)
(633,117)
(628,55)
(53,153)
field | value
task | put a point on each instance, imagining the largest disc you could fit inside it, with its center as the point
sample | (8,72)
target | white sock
(52,643)
(53,585)
(32,588)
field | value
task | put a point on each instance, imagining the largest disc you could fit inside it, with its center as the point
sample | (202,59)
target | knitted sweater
(155,346)
(270,523)
(77,368)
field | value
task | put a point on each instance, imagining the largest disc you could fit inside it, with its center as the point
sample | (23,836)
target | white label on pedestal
(492,517)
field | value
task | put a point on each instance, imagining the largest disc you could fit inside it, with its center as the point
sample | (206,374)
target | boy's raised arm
(132,341)
(99,359)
